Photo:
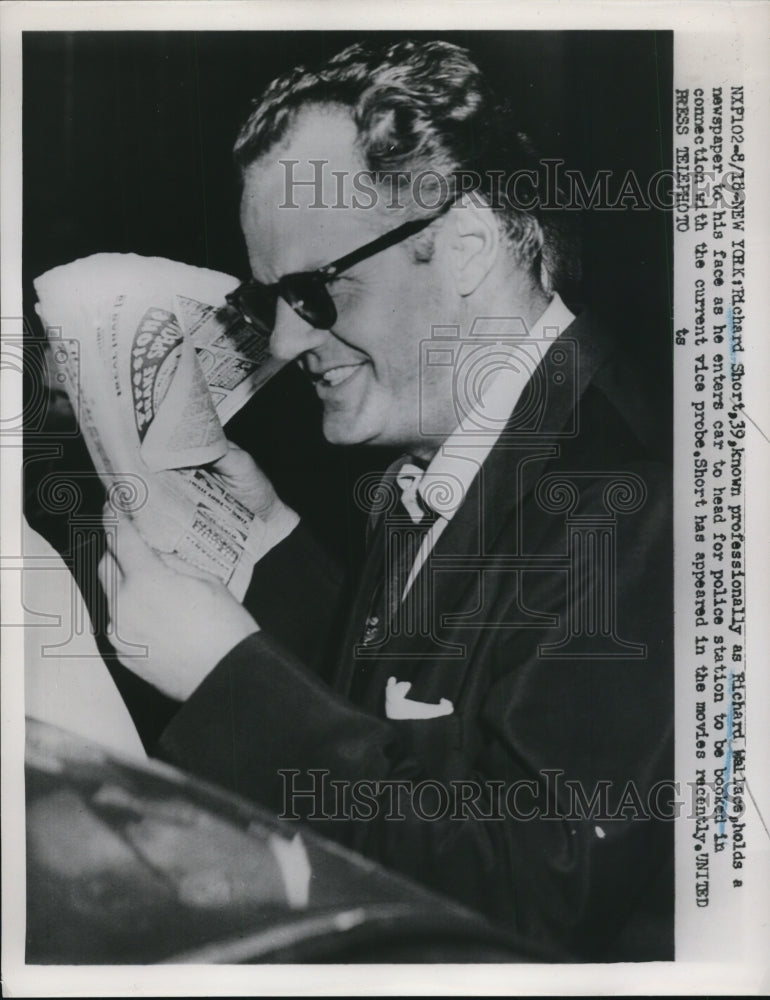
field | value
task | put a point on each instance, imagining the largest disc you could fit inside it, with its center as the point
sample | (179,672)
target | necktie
(400,534)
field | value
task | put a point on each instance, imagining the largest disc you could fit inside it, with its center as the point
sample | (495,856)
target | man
(496,717)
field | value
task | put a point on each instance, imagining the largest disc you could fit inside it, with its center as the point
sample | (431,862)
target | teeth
(336,375)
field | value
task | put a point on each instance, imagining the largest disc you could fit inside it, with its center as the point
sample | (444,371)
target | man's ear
(474,243)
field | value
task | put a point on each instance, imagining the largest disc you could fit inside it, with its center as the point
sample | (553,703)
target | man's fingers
(129,549)
(186,569)
(234,462)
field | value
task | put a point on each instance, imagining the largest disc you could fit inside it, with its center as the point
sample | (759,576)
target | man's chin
(345,429)
(337,430)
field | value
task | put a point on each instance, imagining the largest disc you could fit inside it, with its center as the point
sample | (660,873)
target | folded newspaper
(154,363)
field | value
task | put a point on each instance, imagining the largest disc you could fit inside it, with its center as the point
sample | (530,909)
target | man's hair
(419,108)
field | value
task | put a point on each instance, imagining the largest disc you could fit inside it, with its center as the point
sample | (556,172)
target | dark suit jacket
(551,634)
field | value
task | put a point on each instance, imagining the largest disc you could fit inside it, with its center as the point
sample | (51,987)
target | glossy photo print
(372,380)
(379,539)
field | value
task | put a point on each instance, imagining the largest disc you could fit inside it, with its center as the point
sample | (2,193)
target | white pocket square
(398,706)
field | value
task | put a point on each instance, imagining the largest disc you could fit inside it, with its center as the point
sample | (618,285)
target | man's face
(366,370)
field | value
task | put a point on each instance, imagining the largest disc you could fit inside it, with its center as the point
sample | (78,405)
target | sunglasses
(306,291)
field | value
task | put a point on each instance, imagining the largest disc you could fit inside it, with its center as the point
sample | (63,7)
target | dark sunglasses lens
(308,296)
(257,305)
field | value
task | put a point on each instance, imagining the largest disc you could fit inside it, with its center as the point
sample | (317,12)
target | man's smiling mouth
(333,377)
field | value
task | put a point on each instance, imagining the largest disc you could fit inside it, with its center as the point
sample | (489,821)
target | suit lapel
(496,498)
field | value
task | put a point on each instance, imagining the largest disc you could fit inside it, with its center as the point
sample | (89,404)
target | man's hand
(245,480)
(187,622)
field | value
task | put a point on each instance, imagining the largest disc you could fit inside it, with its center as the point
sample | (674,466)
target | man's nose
(292,335)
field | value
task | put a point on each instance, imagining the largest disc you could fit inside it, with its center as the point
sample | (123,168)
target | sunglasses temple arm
(377,246)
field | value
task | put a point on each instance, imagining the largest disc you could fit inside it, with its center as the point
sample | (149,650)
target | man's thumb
(129,549)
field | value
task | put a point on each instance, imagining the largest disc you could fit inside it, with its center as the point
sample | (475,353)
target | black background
(127,139)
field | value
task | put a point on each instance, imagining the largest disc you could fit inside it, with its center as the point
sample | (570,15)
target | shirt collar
(445,483)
